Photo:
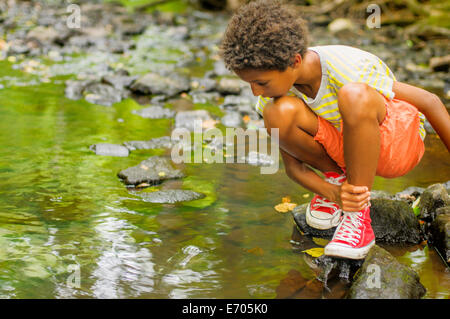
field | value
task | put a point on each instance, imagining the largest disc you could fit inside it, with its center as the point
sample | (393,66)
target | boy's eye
(262,84)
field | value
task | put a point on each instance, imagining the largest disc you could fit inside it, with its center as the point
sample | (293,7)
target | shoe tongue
(332,174)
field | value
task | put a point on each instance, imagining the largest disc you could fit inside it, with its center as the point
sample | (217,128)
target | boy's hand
(353,198)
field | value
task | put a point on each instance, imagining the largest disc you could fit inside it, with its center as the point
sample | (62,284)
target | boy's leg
(297,126)
(363,110)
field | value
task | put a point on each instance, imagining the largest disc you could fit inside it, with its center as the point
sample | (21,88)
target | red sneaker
(354,236)
(322,213)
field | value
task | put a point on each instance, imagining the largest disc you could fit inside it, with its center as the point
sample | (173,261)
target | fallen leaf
(286,199)
(305,195)
(143,185)
(315,252)
(246,119)
(162,174)
(258,251)
(320,241)
(285,207)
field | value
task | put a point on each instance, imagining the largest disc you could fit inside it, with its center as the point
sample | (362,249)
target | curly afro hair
(264,35)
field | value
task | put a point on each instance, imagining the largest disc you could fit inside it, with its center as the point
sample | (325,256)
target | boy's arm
(430,105)
(348,197)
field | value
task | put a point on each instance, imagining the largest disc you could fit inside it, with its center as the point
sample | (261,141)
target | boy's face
(268,83)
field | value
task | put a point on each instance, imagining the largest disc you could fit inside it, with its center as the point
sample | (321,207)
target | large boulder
(382,277)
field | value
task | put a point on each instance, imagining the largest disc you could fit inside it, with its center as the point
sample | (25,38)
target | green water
(61,207)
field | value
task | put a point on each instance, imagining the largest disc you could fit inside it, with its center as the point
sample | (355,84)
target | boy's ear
(297,60)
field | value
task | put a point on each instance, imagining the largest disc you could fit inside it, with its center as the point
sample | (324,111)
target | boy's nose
(256,90)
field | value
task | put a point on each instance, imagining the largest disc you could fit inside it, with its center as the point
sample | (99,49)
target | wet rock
(155,112)
(229,86)
(153,171)
(340,25)
(410,194)
(119,81)
(392,222)
(74,89)
(434,197)
(257,159)
(153,83)
(232,119)
(170,196)
(380,194)
(203,84)
(45,35)
(158,142)
(235,100)
(102,94)
(382,277)
(186,119)
(440,232)
(441,63)
(106,149)
(205,97)
(220,68)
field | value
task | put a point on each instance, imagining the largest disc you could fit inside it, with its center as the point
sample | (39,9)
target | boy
(338,109)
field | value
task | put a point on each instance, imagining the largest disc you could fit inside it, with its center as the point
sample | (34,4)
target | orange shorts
(401,146)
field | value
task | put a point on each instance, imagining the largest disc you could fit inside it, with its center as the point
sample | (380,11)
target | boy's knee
(281,114)
(354,102)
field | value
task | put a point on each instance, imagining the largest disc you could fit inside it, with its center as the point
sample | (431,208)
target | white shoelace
(324,203)
(349,229)
(336,180)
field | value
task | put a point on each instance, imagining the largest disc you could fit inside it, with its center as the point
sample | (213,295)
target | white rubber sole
(319,223)
(343,251)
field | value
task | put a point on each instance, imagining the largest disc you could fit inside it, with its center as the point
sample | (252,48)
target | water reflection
(123,269)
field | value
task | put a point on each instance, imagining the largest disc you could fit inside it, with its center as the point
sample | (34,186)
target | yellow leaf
(315,252)
(286,199)
(320,241)
(143,185)
(285,207)
(305,195)
(162,174)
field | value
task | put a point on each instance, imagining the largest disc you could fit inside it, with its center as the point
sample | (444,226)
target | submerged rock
(153,171)
(106,149)
(187,119)
(170,196)
(229,86)
(102,94)
(382,277)
(155,112)
(158,142)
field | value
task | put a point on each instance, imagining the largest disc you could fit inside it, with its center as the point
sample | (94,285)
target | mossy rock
(382,277)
